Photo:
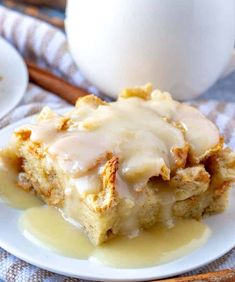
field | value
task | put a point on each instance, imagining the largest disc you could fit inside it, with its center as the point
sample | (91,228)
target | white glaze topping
(141,133)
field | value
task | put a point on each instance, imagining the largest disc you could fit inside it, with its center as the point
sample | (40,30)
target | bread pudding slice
(116,168)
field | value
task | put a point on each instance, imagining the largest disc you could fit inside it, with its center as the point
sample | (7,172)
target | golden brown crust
(222,168)
(90,100)
(22,134)
(143,92)
(107,197)
(190,181)
(180,155)
(46,114)
(165,173)
(208,153)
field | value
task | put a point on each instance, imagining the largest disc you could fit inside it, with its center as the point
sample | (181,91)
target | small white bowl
(13,77)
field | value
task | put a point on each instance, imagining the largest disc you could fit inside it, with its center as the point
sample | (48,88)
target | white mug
(181,46)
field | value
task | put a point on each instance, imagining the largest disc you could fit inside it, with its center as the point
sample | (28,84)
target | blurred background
(58,4)
(53,12)
(48,10)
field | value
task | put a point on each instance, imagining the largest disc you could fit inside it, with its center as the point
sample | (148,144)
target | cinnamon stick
(34,12)
(226,275)
(54,84)
(58,4)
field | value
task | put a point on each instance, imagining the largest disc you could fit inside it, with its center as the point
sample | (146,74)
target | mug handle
(230,67)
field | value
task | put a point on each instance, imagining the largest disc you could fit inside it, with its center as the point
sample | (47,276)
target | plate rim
(139,276)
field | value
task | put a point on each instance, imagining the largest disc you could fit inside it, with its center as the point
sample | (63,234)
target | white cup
(181,46)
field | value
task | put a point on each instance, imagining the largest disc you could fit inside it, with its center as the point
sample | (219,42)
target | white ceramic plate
(13,77)
(12,240)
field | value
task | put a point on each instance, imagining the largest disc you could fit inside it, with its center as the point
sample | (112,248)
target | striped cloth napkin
(47,46)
